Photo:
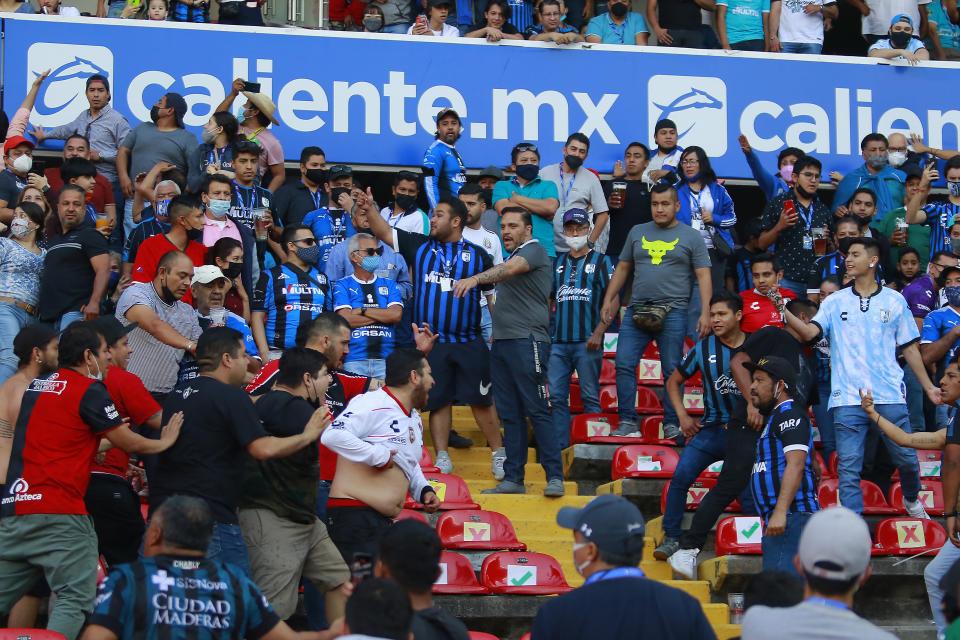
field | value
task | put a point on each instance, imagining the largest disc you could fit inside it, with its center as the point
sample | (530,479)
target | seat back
(651,429)
(874,502)
(596,428)
(30,634)
(576,401)
(610,344)
(524,573)
(644,461)
(930,495)
(451,490)
(693,400)
(825,471)
(476,529)
(929,462)
(608,371)
(909,536)
(649,372)
(411,514)
(697,491)
(739,534)
(608,398)
(456,575)
(712,471)
(426,462)
(648,402)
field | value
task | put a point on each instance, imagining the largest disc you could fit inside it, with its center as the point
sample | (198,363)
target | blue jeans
(313,600)
(67,319)
(519,391)
(116,8)
(564,358)
(486,325)
(932,574)
(801,47)
(851,425)
(395,28)
(693,316)
(779,551)
(799,288)
(12,320)
(914,400)
(630,347)
(227,545)
(702,450)
(825,421)
(128,223)
(373,368)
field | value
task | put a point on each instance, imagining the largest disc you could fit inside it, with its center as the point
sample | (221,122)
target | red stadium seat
(523,573)
(908,536)
(102,569)
(873,501)
(525,636)
(693,400)
(649,372)
(480,635)
(451,490)
(477,529)
(576,403)
(426,462)
(596,428)
(145,511)
(929,462)
(931,495)
(652,352)
(825,471)
(739,534)
(696,380)
(608,372)
(610,345)
(410,514)
(456,576)
(695,494)
(30,634)
(651,431)
(644,461)
(647,401)
(608,398)
(834,464)
(713,471)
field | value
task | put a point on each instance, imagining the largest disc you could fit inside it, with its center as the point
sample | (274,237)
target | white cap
(206,274)
(835,545)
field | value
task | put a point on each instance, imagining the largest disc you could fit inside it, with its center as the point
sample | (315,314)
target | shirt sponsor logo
(302,289)
(111,412)
(313,308)
(759,467)
(191,612)
(567,293)
(48,386)
(725,385)
(20,492)
(789,424)
(372,331)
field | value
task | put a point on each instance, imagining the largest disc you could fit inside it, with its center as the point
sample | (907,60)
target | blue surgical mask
(114,279)
(371,263)
(219,208)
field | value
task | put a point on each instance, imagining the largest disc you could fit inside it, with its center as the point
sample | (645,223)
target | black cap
(111,328)
(778,368)
(665,123)
(491,172)
(33,335)
(179,105)
(446,111)
(437,3)
(611,522)
(339,171)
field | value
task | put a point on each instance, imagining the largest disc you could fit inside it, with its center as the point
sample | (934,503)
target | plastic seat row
(452,491)
(504,572)
(875,503)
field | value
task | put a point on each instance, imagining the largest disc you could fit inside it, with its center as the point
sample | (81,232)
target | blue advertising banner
(372,99)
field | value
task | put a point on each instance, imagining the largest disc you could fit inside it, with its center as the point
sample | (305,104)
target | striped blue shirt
(330,227)
(711,357)
(939,216)
(373,341)
(788,429)
(578,287)
(290,297)
(189,13)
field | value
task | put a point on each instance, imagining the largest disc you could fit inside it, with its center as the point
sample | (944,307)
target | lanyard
(244,207)
(316,197)
(566,193)
(808,218)
(621,33)
(253,136)
(695,204)
(216,154)
(340,222)
(448,266)
(827,603)
(573,269)
(613,574)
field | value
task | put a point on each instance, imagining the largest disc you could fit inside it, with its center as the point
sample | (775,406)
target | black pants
(356,530)
(115,509)
(733,479)
(692,38)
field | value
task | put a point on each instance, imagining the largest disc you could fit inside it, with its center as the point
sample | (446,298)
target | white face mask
(896,158)
(580,567)
(576,242)
(23,163)
(99,375)
(19,227)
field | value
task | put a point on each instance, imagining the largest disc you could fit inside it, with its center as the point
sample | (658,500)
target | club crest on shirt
(884,316)
(465,256)
(590,268)
(382,290)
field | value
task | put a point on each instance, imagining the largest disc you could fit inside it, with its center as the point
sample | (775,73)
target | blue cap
(901,17)
(611,522)
(577,216)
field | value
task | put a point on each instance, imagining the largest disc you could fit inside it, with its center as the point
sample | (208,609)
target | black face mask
(405,201)
(530,171)
(166,294)
(573,162)
(488,195)
(900,39)
(155,114)
(618,9)
(233,270)
(335,194)
(803,193)
(194,235)
(317,176)
(843,244)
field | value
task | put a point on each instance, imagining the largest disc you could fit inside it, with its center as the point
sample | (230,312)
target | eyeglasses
(309,242)
(370,252)
(689,161)
(526,146)
(810,176)
(942,266)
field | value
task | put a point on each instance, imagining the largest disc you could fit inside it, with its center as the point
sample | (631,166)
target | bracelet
(953,514)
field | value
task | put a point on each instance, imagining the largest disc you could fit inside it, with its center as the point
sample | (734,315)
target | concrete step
(477,454)
(481,471)
(534,487)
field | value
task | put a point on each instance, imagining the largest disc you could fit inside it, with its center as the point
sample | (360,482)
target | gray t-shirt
(156,363)
(523,301)
(808,621)
(148,146)
(663,262)
(583,191)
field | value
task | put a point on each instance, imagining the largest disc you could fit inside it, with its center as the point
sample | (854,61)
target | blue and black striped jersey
(330,227)
(788,429)
(579,285)
(711,357)
(290,297)
(373,341)
(940,216)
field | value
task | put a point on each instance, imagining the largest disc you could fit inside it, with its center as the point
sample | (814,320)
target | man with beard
(443,169)
(379,438)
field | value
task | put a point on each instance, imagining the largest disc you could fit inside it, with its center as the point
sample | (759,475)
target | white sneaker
(443,462)
(915,509)
(684,562)
(496,464)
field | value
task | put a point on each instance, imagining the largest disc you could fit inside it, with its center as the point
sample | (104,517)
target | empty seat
(426,462)
(652,352)
(456,575)
(610,344)
(596,428)
(929,462)
(644,461)
(30,634)
(908,536)
(695,494)
(647,401)
(651,430)
(523,573)
(825,471)
(608,398)
(608,372)
(930,494)
(739,534)
(451,490)
(693,400)
(713,471)
(411,514)
(475,529)
(874,503)
(649,372)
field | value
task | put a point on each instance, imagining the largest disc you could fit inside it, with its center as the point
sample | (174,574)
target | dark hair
(215,342)
(407,176)
(789,151)
(864,190)
(231,128)
(181,205)
(36,335)
(806,161)
(71,187)
(707,174)
(325,324)
(830,587)
(175,176)
(729,298)
(646,149)
(221,249)
(832,279)
(400,363)
(297,361)
(380,607)
(952,163)
(411,552)
(98,77)
(576,135)
(870,245)
(803,305)
(79,136)
(216,178)
(458,209)
(663,187)
(186,522)
(766,257)
(75,341)
(290,232)
(942,254)
(873,137)
(526,146)
(242,145)
(524,214)
(846,219)
(73,168)
(773,588)
(309,152)
(905,251)
(946,273)
(169,259)
(505,8)
(36,214)
(474,189)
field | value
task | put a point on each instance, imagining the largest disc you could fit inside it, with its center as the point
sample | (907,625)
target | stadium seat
(576,403)
(696,380)
(908,536)
(145,511)
(652,352)
(463,529)
(834,464)
(456,576)
(649,372)
(595,428)
(608,398)
(523,573)
(480,635)
(873,501)
(608,372)
(451,490)
(693,400)
(695,494)
(713,471)
(651,431)
(739,534)
(610,345)
(102,569)
(644,461)
(931,495)
(30,634)
(411,514)
(647,401)
(426,462)
(929,462)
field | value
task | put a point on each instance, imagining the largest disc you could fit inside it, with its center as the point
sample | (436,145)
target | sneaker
(667,548)
(496,464)
(626,429)
(443,462)
(507,487)
(671,431)
(684,562)
(457,441)
(915,509)
(554,489)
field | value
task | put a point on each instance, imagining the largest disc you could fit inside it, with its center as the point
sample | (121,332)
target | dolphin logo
(693,99)
(76,68)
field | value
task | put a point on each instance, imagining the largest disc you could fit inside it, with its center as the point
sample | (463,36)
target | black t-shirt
(636,211)
(219,421)
(294,200)
(436,624)
(68,277)
(774,341)
(11,185)
(679,14)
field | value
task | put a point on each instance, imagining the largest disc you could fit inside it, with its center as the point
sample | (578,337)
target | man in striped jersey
(706,440)
(938,215)
(783,485)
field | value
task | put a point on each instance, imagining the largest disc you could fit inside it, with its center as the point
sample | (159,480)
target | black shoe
(457,441)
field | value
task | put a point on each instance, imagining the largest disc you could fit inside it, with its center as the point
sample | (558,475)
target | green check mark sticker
(747,533)
(611,343)
(522,579)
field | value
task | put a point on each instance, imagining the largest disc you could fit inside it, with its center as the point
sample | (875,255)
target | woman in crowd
(227,254)
(50,224)
(213,155)
(21,265)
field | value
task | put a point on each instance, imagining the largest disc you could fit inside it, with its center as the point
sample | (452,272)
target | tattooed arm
(936,440)
(512,267)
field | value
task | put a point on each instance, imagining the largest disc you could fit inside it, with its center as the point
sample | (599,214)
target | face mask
(335,194)
(316,176)
(576,242)
(844,245)
(955,246)
(573,162)
(694,178)
(19,227)
(896,158)
(618,9)
(114,279)
(310,255)
(233,270)
(194,235)
(315,400)
(209,135)
(99,375)
(219,208)
(370,263)
(154,114)
(954,188)
(23,163)
(877,161)
(160,211)
(580,567)
(803,193)
(372,24)
(900,39)
(530,171)
(405,201)
(787,172)
(953,296)
(166,294)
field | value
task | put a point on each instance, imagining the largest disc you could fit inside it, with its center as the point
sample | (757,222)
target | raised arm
(920,440)
(514,266)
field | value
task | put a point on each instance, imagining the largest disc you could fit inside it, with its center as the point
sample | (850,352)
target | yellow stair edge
(615,487)
(726,631)
(713,571)
(717,613)
(699,589)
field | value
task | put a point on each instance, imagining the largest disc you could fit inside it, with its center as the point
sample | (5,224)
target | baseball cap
(14,142)
(835,545)
(778,368)
(901,17)
(491,172)
(611,522)
(179,105)
(437,3)
(339,171)
(446,111)
(206,274)
(665,123)
(111,328)
(576,216)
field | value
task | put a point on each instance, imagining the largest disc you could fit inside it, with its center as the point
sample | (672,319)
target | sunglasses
(306,241)
(526,146)
(370,252)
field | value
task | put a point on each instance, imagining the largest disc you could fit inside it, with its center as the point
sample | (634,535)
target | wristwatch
(363,311)
(189,346)
(591,244)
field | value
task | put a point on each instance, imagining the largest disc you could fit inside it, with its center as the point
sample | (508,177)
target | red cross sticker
(926,497)
(910,534)
(694,496)
(651,370)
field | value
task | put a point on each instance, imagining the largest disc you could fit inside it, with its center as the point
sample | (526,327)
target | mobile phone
(252,87)
(38,167)
(932,164)
(789,208)
(361,568)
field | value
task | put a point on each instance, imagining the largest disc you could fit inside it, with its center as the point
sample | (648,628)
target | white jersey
(371,426)
(864,334)
(414,221)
